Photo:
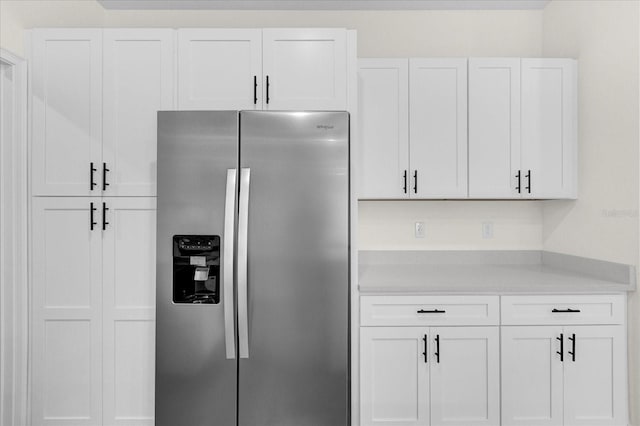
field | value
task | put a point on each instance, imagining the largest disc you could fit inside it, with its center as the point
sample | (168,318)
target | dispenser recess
(196,269)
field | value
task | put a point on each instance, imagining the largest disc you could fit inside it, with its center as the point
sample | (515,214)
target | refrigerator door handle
(243,225)
(227,279)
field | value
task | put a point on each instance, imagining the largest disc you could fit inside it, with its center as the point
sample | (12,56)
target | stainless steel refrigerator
(252,269)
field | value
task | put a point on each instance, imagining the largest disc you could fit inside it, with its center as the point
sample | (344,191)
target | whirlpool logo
(324,126)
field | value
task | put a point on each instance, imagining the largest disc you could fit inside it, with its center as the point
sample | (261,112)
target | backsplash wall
(450,225)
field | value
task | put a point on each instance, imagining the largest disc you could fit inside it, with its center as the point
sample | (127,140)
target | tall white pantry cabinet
(95,95)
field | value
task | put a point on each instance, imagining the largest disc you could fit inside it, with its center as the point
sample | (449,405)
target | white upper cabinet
(66,125)
(494,128)
(383,122)
(219,69)
(438,127)
(305,69)
(277,69)
(138,82)
(549,122)
(522,121)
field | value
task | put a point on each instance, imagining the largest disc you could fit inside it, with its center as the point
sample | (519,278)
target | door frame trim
(14,309)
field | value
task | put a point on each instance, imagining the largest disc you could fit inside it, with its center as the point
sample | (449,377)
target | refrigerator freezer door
(296,373)
(195,380)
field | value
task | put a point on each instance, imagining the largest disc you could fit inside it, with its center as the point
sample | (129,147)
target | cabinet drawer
(429,310)
(563,309)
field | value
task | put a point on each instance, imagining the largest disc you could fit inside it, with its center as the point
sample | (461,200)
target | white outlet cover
(487,230)
(420,230)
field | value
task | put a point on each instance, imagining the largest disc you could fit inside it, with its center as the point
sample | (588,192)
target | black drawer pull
(565,311)
(431,311)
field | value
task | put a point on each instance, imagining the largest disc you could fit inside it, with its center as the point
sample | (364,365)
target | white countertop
(475,277)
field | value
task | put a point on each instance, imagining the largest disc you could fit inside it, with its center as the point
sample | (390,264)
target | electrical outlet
(420,230)
(487,230)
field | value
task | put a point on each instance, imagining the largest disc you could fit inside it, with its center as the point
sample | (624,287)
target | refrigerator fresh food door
(293,269)
(196,362)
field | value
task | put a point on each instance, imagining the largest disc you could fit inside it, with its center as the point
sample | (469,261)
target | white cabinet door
(595,379)
(129,311)
(494,127)
(465,376)
(531,376)
(549,121)
(66,291)
(383,111)
(138,82)
(438,127)
(219,69)
(66,100)
(305,69)
(394,376)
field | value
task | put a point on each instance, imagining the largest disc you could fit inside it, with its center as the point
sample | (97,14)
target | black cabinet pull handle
(105,209)
(424,339)
(255,89)
(437,354)
(572,352)
(561,352)
(104,176)
(405,182)
(431,311)
(267,90)
(91,222)
(415,181)
(91,182)
(519,181)
(528,181)
(565,311)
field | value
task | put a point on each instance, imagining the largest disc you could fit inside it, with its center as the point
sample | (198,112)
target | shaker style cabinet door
(219,69)
(129,290)
(394,374)
(549,121)
(532,376)
(383,123)
(66,127)
(138,82)
(494,128)
(66,312)
(595,381)
(465,371)
(438,127)
(304,69)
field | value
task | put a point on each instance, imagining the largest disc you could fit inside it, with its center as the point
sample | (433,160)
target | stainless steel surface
(243,217)
(195,382)
(298,274)
(227,270)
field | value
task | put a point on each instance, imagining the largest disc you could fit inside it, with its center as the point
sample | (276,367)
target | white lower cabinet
(538,360)
(429,376)
(465,371)
(394,387)
(554,375)
(93,311)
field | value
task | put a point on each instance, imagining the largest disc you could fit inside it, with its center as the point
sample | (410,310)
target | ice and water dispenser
(196,269)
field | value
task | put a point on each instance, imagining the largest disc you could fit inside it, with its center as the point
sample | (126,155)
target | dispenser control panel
(196,269)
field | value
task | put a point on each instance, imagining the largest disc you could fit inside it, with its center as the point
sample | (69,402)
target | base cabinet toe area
(566,367)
